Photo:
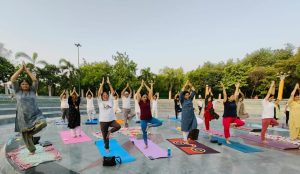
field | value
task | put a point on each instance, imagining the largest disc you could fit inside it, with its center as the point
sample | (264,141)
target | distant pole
(78,46)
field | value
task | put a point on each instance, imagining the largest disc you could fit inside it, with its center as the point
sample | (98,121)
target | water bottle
(169,152)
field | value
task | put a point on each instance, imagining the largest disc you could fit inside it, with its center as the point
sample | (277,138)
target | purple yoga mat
(152,152)
(272,143)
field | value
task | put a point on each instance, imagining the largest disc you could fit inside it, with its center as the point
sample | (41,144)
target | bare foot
(107,150)
(228,141)
(146,146)
(233,125)
(264,141)
(31,153)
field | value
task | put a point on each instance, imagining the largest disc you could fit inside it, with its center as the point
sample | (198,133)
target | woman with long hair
(30,119)
(74,114)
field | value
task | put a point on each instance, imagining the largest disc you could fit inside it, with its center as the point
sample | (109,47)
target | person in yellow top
(294,104)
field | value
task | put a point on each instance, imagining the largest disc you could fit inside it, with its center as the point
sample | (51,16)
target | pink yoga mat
(216,132)
(276,144)
(68,139)
(152,152)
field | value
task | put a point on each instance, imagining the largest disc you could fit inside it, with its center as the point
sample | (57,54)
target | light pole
(78,45)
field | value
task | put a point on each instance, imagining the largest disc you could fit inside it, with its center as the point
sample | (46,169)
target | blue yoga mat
(174,119)
(94,121)
(237,146)
(115,150)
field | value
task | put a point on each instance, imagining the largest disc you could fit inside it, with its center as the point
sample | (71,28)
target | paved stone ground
(85,158)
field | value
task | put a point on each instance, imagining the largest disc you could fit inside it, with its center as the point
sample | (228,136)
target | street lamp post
(78,45)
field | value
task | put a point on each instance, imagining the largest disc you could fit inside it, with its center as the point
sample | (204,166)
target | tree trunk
(50,90)
(170,92)
(253,91)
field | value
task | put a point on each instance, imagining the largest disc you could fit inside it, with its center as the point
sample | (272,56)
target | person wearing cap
(126,96)
(268,112)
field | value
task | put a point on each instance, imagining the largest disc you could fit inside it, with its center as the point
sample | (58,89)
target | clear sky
(154,33)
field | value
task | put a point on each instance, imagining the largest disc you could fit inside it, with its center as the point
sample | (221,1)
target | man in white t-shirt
(200,104)
(126,97)
(64,106)
(268,112)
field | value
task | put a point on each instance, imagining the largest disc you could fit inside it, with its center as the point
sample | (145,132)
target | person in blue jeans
(147,120)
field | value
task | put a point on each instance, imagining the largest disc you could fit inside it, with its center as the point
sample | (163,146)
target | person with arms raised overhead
(30,119)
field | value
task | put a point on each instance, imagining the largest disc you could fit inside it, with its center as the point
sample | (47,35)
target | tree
(256,74)
(173,79)
(124,70)
(49,77)
(147,75)
(68,73)
(236,73)
(92,74)
(33,59)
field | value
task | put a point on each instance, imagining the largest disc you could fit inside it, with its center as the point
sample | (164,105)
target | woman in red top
(208,116)
(147,120)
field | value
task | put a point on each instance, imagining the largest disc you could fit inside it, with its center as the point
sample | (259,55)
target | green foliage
(6,69)
(124,70)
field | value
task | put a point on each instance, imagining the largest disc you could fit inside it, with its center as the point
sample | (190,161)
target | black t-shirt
(230,109)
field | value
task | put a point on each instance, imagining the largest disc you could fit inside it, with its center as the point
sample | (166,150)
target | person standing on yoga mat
(177,105)
(116,103)
(294,104)
(107,117)
(137,109)
(147,121)
(155,106)
(30,119)
(230,118)
(64,106)
(287,114)
(241,106)
(200,104)
(268,112)
(74,114)
(188,118)
(126,103)
(90,108)
(208,115)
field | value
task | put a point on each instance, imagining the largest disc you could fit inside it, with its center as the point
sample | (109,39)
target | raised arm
(61,95)
(236,92)
(192,91)
(16,74)
(184,86)
(123,91)
(270,90)
(138,92)
(242,94)
(101,88)
(33,78)
(112,91)
(130,91)
(150,91)
(293,93)
(87,93)
(224,92)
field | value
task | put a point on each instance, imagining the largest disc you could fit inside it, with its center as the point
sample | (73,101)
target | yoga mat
(130,131)
(21,157)
(278,138)
(271,128)
(115,150)
(120,121)
(61,122)
(99,135)
(215,132)
(244,128)
(94,121)
(237,146)
(276,144)
(193,148)
(152,152)
(174,119)
(68,139)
